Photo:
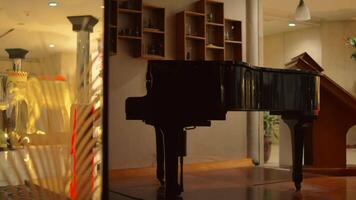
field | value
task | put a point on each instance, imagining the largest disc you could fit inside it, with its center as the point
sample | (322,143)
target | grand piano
(186,94)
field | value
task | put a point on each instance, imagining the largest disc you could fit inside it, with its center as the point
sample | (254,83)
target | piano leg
(159,155)
(182,145)
(171,143)
(298,129)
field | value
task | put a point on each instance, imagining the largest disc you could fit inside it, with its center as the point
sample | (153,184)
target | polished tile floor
(251,183)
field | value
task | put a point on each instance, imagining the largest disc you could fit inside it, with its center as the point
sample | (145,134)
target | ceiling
(278,13)
(36,25)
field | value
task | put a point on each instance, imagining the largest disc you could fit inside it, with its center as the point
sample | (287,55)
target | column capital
(16,53)
(83,23)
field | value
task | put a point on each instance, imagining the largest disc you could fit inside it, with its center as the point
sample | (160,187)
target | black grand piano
(187,94)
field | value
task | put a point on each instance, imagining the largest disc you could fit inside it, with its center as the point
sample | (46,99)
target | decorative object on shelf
(137,31)
(227,36)
(210,17)
(189,52)
(121,32)
(150,23)
(232,28)
(188,55)
(352,41)
(189,29)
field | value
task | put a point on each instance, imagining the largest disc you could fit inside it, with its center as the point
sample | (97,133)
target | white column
(253,46)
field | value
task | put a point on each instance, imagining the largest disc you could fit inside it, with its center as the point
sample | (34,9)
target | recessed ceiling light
(52,4)
(51,45)
(291,24)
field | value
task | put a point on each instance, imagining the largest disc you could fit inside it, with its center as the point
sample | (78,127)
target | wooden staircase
(325,145)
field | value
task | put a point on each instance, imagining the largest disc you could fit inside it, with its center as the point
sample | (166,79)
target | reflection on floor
(274,159)
(241,183)
(351,156)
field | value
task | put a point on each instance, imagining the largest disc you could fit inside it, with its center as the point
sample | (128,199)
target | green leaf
(352,41)
(353,56)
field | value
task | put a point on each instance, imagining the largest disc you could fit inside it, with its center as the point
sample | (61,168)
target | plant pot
(267,147)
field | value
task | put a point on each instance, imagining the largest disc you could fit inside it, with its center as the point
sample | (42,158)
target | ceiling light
(291,24)
(51,45)
(302,12)
(102,6)
(52,4)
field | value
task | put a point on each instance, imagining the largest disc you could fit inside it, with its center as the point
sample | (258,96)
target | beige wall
(131,143)
(32,65)
(326,44)
(280,48)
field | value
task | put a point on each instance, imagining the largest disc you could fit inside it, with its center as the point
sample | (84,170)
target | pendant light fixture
(302,12)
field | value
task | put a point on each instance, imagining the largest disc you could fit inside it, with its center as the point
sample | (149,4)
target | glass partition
(51,99)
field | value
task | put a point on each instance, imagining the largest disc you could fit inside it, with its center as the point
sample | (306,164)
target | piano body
(186,94)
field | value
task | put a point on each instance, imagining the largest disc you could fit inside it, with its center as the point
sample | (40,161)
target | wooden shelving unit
(113,27)
(233,40)
(204,34)
(142,27)
(190,35)
(130,25)
(129,11)
(214,30)
(129,37)
(153,38)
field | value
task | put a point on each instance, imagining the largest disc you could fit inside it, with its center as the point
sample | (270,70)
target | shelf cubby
(113,27)
(215,44)
(197,8)
(195,50)
(130,5)
(233,40)
(129,15)
(214,11)
(142,27)
(153,41)
(214,53)
(190,36)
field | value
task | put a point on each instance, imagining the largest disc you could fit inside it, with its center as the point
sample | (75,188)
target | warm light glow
(51,45)
(102,6)
(26,140)
(27,158)
(291,24)
(52,4)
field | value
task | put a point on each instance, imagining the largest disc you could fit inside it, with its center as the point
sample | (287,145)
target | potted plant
(270,123)
(352,41)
